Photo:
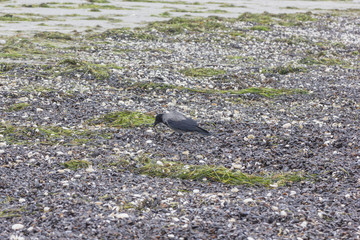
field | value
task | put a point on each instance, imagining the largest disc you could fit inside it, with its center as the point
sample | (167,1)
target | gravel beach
(280,93)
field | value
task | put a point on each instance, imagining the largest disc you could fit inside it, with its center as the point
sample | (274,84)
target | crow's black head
(158,119)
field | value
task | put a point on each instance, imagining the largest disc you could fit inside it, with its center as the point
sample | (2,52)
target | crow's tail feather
(203,131)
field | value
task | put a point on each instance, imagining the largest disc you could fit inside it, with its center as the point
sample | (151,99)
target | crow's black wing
(186,125)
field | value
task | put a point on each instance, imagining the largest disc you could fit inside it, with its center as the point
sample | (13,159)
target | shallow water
(59,18)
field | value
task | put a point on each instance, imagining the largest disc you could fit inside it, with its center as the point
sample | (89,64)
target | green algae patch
(202,72)
(265,92)
(53,35)
(19,48)
(170,169)
(17,107)
(48,135)
(124,119)
(314,60)
(6,67)
(124,33)
(260,28)
(71,66)
(76,164)
(284,19)
(10,213)
(283,70)
(178,25)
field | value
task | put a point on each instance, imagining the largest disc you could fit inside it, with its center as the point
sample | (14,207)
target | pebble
(237,166)
(274,208)
(304,224)
(283,213)
(248,200)
(199,156)
(287,125)
(17,226)
(122,215)
(251,137)
(90,169)
(186,152)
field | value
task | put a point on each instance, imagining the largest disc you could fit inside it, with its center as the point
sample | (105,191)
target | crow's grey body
(179,123)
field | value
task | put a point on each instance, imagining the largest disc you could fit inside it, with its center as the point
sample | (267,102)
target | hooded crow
(179,123)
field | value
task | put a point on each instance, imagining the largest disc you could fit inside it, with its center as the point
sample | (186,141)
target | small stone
(304,224)
(16,237)
(185,152)
(39,110)
(21,200)
(171,236)
(237,166)
(292,193)
(17,226)
(234,190)
(122,215)
(46,209)
(283,213)
(2,151)
(2,144)
(274,185)
(251,137)
(160,163)
(287,125)
(23,99)
(149,141)
(274,208)
(90,169)
(196,191)
(248,200)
